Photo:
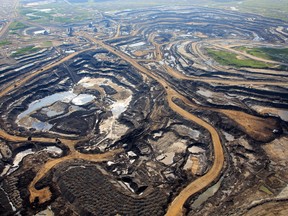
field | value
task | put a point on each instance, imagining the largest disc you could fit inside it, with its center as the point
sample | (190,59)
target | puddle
(52,113)
(43,126)
(47,101)
(207,194)
(83,99)
(25,120)
(137,44)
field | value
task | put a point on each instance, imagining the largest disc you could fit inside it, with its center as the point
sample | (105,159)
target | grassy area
(265,190)
(47,44)
(129,4)
(62,19)
(280,55)
(57,12)
(14,33)
(5,42)
(269,8)
(17,26)
(232,59)
(25,51)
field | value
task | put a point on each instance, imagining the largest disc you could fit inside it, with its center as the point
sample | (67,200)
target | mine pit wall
(56,76)
(12,73)
(29,89)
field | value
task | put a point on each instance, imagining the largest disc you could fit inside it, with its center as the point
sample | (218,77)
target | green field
(5,42)
(228,58)
(270,8)
(265,190)
(60,12)
(280,55)
(47,44)
(17,26)
(82,11)
(25,51)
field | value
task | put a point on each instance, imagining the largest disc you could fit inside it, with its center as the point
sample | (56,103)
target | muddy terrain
(132,115)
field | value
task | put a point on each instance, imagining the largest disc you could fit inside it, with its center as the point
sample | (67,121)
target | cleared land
(232,59)
(275,54)
(138,92)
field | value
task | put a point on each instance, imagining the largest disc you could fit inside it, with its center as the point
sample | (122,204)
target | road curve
(44,194)
(176,207)
(248,55)
(181,76)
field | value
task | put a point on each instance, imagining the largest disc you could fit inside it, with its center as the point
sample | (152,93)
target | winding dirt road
(181,76)
(227,48)
(176,207)
(44,194)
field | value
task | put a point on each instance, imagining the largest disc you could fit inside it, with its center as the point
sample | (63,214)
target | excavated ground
(142,116)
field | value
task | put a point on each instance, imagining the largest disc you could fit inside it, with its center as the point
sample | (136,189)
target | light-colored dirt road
(118,33)
(176,207)
(181,76)
(13,14)
(157,52)
(5,29)
(44,194)
(227,48)
(23,80)
(13,138)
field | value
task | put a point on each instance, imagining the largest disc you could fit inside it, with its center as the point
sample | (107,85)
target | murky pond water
(25,120)
(207,194)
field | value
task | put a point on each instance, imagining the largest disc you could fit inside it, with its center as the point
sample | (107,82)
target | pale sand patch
(277,151)
(178,146)
(96,83)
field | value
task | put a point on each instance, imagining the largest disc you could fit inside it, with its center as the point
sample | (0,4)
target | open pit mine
(139,113)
